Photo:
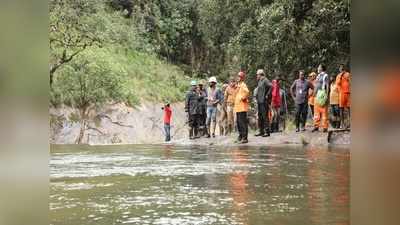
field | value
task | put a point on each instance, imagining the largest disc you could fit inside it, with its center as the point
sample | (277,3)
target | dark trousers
(242,125)
(301,114)
(335,116)
(263,122)
(202,123)
(202,118)
(167,129)
(194,120)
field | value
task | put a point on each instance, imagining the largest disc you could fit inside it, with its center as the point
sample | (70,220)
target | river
(165,184)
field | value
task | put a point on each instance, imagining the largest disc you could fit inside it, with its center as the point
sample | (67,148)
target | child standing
(167,121)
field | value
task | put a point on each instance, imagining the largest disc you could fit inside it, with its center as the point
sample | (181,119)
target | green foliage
(155,80)
(135,42)
(101,75)
(93,78)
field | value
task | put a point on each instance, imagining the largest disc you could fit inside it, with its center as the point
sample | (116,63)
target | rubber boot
(196,132)
(341,115)
(191,133)
(213,125)
(208,131)
(267,132)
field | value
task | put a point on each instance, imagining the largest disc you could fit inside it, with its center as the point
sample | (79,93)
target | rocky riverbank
(115,124)
(120,124)
(282,138)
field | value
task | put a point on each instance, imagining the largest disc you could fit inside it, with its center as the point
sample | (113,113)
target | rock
(120,124)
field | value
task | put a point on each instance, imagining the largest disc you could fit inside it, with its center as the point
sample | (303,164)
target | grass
(154,80)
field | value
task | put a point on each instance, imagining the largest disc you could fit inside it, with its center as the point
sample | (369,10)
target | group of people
(230,103)
(327,97)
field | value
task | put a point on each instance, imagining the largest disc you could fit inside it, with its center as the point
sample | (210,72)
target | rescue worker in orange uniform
(321,110)
(343,84)
(241,108)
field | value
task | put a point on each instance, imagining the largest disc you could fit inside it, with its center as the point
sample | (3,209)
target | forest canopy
(133,50)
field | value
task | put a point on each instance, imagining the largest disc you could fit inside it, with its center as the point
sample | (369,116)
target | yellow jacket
(241,98)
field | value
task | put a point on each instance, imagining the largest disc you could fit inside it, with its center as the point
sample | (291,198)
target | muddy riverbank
(121,124)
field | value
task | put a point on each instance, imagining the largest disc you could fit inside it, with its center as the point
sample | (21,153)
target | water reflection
(322,198)
(238,185)
(176,185)
(167,151)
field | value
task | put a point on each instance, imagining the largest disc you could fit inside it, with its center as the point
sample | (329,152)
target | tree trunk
(83,126)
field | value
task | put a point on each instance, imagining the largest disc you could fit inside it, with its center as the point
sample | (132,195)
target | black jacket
(192,103)
(203,102)
(263,91)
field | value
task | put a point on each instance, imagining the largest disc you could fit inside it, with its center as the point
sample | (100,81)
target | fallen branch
(115,122)
(95,129)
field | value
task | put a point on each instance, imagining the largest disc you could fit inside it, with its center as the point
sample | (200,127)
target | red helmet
(242,75)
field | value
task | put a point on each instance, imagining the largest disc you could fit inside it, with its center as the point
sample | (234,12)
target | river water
(146,184)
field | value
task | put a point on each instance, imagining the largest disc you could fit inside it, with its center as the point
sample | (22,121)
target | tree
(73,28)
(91,80)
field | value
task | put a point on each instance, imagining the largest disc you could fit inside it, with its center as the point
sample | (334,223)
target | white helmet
(260,71)
(212,79)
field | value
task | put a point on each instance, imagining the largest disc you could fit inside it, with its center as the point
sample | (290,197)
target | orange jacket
(229,95)
(241,98)
(343,82)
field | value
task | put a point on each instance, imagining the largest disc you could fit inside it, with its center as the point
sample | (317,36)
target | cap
(212,79)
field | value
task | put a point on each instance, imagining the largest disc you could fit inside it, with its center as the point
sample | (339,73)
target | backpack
(322,95)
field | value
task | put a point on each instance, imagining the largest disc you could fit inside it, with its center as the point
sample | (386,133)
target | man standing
(167,121)
(283,111)
(241,108)
(203,108)
(343,84)
(321,91)
(262,98)
(222,113)
(299,92)
(214,97)
(229,100)
(192,103)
